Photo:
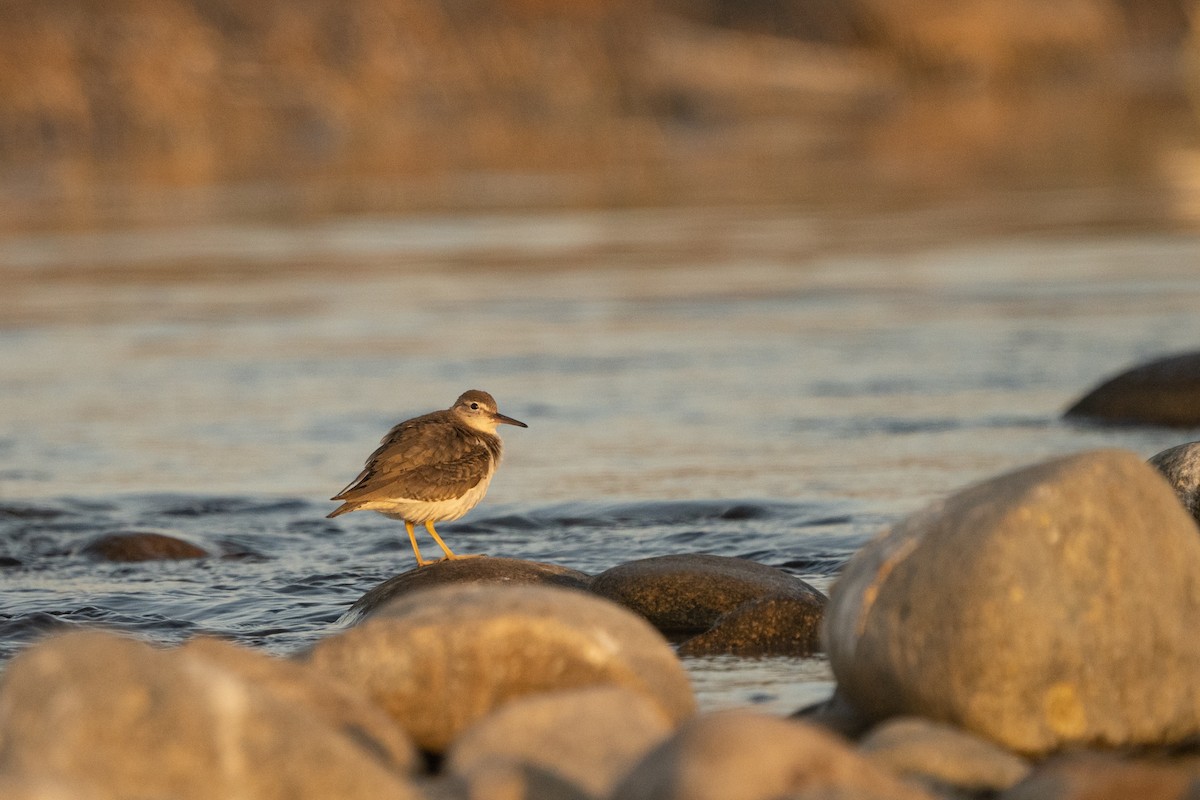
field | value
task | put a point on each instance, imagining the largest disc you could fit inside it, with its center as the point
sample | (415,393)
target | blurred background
(117,112)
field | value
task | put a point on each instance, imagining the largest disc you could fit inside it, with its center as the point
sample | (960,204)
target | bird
(431,468)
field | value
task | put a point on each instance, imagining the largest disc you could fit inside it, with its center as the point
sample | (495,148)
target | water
(694,381)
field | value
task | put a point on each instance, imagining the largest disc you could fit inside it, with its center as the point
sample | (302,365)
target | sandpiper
(431,468)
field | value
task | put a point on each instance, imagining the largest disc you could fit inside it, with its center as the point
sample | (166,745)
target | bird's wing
(421,459)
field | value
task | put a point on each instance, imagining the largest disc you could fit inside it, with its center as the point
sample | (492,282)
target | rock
(835,715)
(589,737)
(295,685)
(741,755)
(142,546)
(688,593)
(467,570)
(1049,607)
(769,626)
(1163,392)
(1180,465)
(44,790)
(441,659)
(126,720)
(941,755)
(504,780)
(1102,776)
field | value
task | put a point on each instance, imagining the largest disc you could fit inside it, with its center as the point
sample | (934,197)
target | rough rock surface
(1162,392)
(1049,607)
(127,720)
(689,593)
(741,755)
(590,737)
(468,570)
(1180,465)
(769,626)
(441,659)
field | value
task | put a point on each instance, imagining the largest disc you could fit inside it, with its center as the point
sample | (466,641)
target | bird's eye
(474,406)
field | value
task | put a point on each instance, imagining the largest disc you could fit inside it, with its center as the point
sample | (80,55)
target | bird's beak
(508,420)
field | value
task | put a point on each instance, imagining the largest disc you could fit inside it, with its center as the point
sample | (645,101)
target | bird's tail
(342,509)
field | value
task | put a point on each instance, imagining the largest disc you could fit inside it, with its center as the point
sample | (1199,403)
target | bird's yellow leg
(449,553)
(412,538)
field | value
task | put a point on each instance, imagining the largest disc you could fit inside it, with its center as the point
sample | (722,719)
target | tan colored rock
(126,720)
(742,755)
(589,737)
(439,660)
(944,756)
(1049,607)
(1104,776)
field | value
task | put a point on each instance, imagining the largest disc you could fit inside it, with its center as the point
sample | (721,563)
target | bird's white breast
(419,511)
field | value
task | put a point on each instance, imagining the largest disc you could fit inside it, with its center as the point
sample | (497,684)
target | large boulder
(441,659)
(126,720)
(1049,607)
(1163,392)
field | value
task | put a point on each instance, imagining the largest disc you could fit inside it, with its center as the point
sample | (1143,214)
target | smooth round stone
(589,737)
(742,755)
(1162,392)
(439,660)
(142,546)
(1050,607)
(942,755)
(689,593)
(340,707)
(769,626)
(484,569)
(127,720)
(1091,775)
(504,780)
(1180,465)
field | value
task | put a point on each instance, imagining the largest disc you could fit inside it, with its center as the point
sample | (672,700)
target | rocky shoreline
(1029,636)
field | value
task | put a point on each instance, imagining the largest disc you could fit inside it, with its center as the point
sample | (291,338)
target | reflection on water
(693,381)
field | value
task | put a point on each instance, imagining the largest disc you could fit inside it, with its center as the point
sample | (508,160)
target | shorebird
(431,468)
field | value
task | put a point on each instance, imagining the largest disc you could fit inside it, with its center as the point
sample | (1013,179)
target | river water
(698,380)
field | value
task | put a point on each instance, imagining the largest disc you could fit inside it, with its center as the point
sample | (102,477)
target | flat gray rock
(742,755)
(689,593)
(484,569)
(127,720)
(942,755)
(439,660)
(1163,392)
(588,737)
(1180,465)
(1050,607)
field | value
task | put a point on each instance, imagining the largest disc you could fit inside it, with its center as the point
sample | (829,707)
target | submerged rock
(127,720)
(942,755)
(689,593)
(1049,607)
(1180,465)
(769,626)
(468,570)
(741,755)
(1162,392)
(142,546)
(439,660)
(589,737)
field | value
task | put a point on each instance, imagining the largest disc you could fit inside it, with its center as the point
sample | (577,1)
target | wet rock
(468,570)
(127,720)
(1100,776)
(142,546)
(441,659)
(769,626)
(835,715)
(589,737)
(295,685)
(688,593)
(1048,607)
(1163,392)
(942,756)
(741,755)
(1181,467)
